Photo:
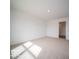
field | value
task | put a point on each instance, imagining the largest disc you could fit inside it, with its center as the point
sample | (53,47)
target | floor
(43,48)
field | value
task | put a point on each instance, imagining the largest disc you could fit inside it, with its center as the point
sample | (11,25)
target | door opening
(62,30)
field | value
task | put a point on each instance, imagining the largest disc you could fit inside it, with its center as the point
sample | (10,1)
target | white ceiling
(39,8)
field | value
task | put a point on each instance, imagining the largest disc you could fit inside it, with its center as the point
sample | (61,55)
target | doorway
(62,30)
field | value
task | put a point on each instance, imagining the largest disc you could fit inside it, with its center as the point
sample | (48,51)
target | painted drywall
(25,27)
(53,27)
(58,8)
(67,29)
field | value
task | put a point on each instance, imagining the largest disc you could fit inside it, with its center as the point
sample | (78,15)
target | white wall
(53,27)
(67,29)
(25,27)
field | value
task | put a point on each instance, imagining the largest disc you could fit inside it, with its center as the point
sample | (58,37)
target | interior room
(39,29)
(62,30)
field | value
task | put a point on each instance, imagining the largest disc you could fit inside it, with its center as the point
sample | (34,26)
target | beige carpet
(45,48)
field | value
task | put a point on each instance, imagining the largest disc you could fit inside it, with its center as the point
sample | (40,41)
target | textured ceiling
(39,8)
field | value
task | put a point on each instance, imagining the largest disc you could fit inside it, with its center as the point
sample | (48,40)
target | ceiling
(40,8)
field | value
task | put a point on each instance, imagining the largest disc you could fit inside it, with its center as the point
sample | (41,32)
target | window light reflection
(17,51)
(28,44)
(35,50)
